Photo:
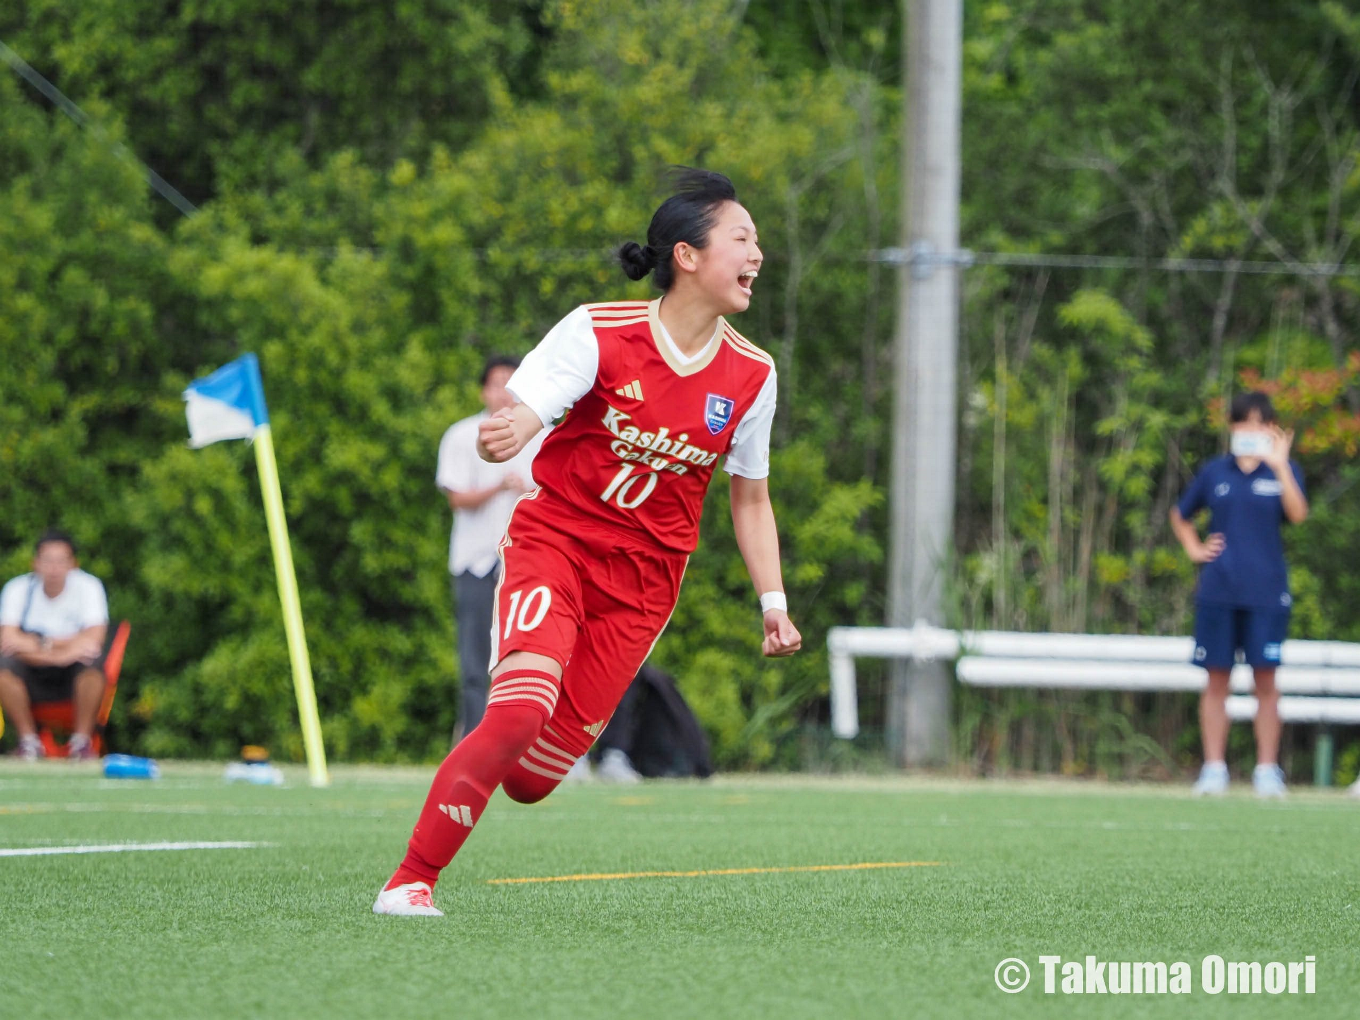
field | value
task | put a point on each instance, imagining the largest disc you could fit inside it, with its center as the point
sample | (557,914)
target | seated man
(52,625)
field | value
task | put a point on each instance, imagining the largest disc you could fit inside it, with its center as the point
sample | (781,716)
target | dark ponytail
(686,216)
(636,260)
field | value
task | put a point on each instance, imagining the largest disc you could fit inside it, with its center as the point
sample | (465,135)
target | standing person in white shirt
(482,495)
(52,626)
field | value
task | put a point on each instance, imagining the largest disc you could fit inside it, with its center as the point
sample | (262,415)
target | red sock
(470,774)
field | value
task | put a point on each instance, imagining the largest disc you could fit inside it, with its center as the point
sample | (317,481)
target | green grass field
(1026,869)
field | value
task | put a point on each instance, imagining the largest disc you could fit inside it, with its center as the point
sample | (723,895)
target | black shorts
(46,683)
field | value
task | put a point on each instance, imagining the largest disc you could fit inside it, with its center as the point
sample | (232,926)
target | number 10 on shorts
(528,613)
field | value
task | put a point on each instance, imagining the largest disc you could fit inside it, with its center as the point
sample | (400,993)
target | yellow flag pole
(292,607)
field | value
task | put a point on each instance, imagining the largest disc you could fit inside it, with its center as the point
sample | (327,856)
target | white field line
(119,848)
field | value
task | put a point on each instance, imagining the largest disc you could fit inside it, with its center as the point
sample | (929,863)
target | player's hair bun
(637,261)
(688,216)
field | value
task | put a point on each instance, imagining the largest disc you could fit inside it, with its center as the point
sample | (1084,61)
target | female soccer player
(592,559)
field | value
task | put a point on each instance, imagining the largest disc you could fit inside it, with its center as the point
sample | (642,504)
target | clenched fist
(497,438)
(781,636)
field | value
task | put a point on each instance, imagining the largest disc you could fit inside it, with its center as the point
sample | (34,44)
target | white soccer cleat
(410,900)
(1212,781)
(1355,788)
(1268,782)
(616,768)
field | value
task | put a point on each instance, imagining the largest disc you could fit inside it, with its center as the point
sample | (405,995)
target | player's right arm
(506,433)
(1184,529)
(552,377)
(1188,534)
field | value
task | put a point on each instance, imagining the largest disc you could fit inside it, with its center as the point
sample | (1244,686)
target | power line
(965,258)
(55,95)
(923,260)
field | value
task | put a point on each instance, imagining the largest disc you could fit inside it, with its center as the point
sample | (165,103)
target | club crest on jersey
(717,413)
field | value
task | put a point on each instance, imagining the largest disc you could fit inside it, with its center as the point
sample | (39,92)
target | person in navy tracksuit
(1243,600)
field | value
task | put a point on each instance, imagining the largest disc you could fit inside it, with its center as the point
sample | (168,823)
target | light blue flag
(229,404)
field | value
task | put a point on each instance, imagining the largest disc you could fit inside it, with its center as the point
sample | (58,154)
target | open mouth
(745,280)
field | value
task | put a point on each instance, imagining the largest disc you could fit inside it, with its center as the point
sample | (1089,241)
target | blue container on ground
(127,766)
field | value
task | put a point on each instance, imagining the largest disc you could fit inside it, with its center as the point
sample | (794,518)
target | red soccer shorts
(589,596)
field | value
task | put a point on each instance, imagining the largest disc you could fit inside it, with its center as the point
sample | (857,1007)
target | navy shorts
(1221,630)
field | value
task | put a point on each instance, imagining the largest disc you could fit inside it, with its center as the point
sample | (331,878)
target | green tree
(389,195)
(225,97)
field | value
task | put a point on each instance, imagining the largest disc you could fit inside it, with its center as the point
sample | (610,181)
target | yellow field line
(716,871)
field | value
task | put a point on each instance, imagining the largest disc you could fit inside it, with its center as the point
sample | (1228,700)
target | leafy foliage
(371,277)
(388,197)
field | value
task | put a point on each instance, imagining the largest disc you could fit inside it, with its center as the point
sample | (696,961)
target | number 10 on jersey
(628,490)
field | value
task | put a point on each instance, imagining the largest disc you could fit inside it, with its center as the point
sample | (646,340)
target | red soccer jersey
(637,448)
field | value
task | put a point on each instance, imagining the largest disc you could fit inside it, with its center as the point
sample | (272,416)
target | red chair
(61,715)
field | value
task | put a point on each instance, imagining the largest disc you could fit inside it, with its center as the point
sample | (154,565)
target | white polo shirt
(478,532)
(81,604)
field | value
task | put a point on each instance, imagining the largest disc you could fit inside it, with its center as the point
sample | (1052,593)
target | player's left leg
(627,607)
(610,651)
(542,767)
(1267,724)
(1265,634)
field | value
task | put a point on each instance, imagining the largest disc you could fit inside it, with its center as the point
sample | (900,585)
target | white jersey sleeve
(750,453)
(560,370)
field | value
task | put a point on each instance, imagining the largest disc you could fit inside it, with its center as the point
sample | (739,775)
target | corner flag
(229,404)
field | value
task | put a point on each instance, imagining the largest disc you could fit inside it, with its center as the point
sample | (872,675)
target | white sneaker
(1212,781)
(1354,789)
(30,748)
(409,900)
(580,772)
(616,768)
(1268,781)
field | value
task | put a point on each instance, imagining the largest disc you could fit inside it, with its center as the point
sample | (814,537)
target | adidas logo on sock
(633,390)
(460,813)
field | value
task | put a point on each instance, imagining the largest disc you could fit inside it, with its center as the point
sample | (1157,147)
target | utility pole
(926,371)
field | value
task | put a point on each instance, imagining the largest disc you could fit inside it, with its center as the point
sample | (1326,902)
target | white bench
(1319,681)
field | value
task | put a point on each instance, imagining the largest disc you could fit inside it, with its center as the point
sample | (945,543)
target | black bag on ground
(656,729)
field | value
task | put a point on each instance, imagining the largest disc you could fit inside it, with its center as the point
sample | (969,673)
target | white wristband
(773,600)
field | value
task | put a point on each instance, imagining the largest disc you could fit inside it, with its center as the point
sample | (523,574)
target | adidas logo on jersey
(594,728)
(633,390)
(460,813)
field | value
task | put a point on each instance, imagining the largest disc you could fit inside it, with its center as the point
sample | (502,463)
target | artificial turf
(1026,869)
